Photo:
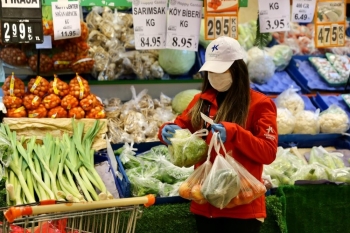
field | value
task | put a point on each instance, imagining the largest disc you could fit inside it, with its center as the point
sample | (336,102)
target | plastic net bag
(291,100)
(334,120)
(222,183)
(187,149)
(191,188)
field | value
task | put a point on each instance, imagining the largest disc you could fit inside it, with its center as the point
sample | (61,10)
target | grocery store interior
(83,109)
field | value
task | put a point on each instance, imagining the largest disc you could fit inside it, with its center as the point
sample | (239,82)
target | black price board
(21,21)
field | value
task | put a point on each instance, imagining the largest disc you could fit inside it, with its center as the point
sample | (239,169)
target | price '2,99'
(13,30)
(150,41)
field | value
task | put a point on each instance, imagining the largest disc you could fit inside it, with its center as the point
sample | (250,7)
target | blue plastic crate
(101,156)
(324,101)
(302,72)
(277,84)
(308,103)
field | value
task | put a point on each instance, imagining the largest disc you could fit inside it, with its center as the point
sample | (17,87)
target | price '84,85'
(182,42)
(150,41)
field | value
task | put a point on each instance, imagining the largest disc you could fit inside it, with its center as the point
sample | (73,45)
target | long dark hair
(235,105)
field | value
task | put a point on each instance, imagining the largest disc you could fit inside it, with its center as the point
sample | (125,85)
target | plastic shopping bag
(222,183)
(187,149)
(250,187)
(191,188)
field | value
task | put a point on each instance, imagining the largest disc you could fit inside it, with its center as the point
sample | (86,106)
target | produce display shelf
(302,72)
(286,141)
(308,103)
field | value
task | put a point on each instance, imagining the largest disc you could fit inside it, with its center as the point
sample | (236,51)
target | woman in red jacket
(246,121)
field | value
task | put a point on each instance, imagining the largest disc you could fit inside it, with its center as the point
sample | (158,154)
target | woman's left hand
(220,129)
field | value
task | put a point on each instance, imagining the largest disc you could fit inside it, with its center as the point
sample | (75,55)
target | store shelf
(303,73)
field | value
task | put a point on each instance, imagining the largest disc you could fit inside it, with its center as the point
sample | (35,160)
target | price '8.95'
(182,42)
(151,41)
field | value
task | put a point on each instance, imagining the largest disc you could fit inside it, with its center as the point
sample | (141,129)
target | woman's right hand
(168,131)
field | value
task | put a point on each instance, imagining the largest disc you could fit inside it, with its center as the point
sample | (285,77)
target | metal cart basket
(108,216)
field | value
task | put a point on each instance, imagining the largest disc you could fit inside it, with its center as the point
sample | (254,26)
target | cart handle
(15,212)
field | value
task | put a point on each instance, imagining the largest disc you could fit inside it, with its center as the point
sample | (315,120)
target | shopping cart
(108,216)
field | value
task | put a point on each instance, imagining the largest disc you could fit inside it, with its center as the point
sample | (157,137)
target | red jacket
(252,146)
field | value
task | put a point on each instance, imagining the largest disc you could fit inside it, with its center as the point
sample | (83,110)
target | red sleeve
(260,145)
(183,120)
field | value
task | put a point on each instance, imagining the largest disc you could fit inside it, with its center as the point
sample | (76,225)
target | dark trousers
(227,225)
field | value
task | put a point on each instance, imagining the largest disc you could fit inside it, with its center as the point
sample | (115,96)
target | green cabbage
(182,99)
(176,62)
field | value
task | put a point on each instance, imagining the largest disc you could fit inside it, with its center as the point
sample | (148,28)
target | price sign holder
(220,18)
(184,21)
(274,15)
(21,21)
(303,11)
(149,17)
(330,23)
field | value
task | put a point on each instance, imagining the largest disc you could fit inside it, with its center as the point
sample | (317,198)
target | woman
(246,121)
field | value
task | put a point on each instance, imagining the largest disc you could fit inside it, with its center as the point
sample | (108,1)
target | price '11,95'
(150,41)
(69,33)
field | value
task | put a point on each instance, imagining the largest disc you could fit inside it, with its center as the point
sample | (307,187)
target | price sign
(274,15)
(150,18)
(184,22)
(221,18)
(21,21)
(330,23)
(66,19)
(303,10)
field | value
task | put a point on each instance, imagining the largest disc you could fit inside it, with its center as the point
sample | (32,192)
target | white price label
(303,11)
(274,15)
(149,18)
(184,22)
(66,19)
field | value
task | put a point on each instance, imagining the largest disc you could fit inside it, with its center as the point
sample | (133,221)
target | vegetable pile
(55,99)
(51,168)
(151,172)
(112,46)
(137,120)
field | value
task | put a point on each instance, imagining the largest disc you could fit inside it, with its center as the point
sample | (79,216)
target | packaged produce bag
(250,187)
(222,183)
(187,149)
(291,100)
(191,188)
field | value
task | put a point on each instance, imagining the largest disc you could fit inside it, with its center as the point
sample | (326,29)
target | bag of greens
(187,149)
(222,183)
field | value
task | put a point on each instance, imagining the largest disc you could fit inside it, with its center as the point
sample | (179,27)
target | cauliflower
(306,122)
(291,100)
(285,121)
(260,65)
(334,120)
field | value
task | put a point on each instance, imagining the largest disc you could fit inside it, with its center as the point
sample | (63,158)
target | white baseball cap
(221,53)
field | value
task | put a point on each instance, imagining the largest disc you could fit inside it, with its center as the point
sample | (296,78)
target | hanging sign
(274,15)
(21,21)
(221,18)
(66,19)
(303,11)
(184,22)
(330,23)
(149,17)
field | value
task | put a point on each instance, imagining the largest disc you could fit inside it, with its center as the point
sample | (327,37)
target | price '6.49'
(182,42)
(275,24)
(150,41)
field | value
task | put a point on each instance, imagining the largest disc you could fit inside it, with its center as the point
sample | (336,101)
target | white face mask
(220,82)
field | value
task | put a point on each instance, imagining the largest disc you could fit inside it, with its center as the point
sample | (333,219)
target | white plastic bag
(291,100)
(334,120)
(307,122)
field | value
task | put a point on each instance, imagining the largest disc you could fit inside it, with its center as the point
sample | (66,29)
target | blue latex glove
(221,129)
(168,131)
